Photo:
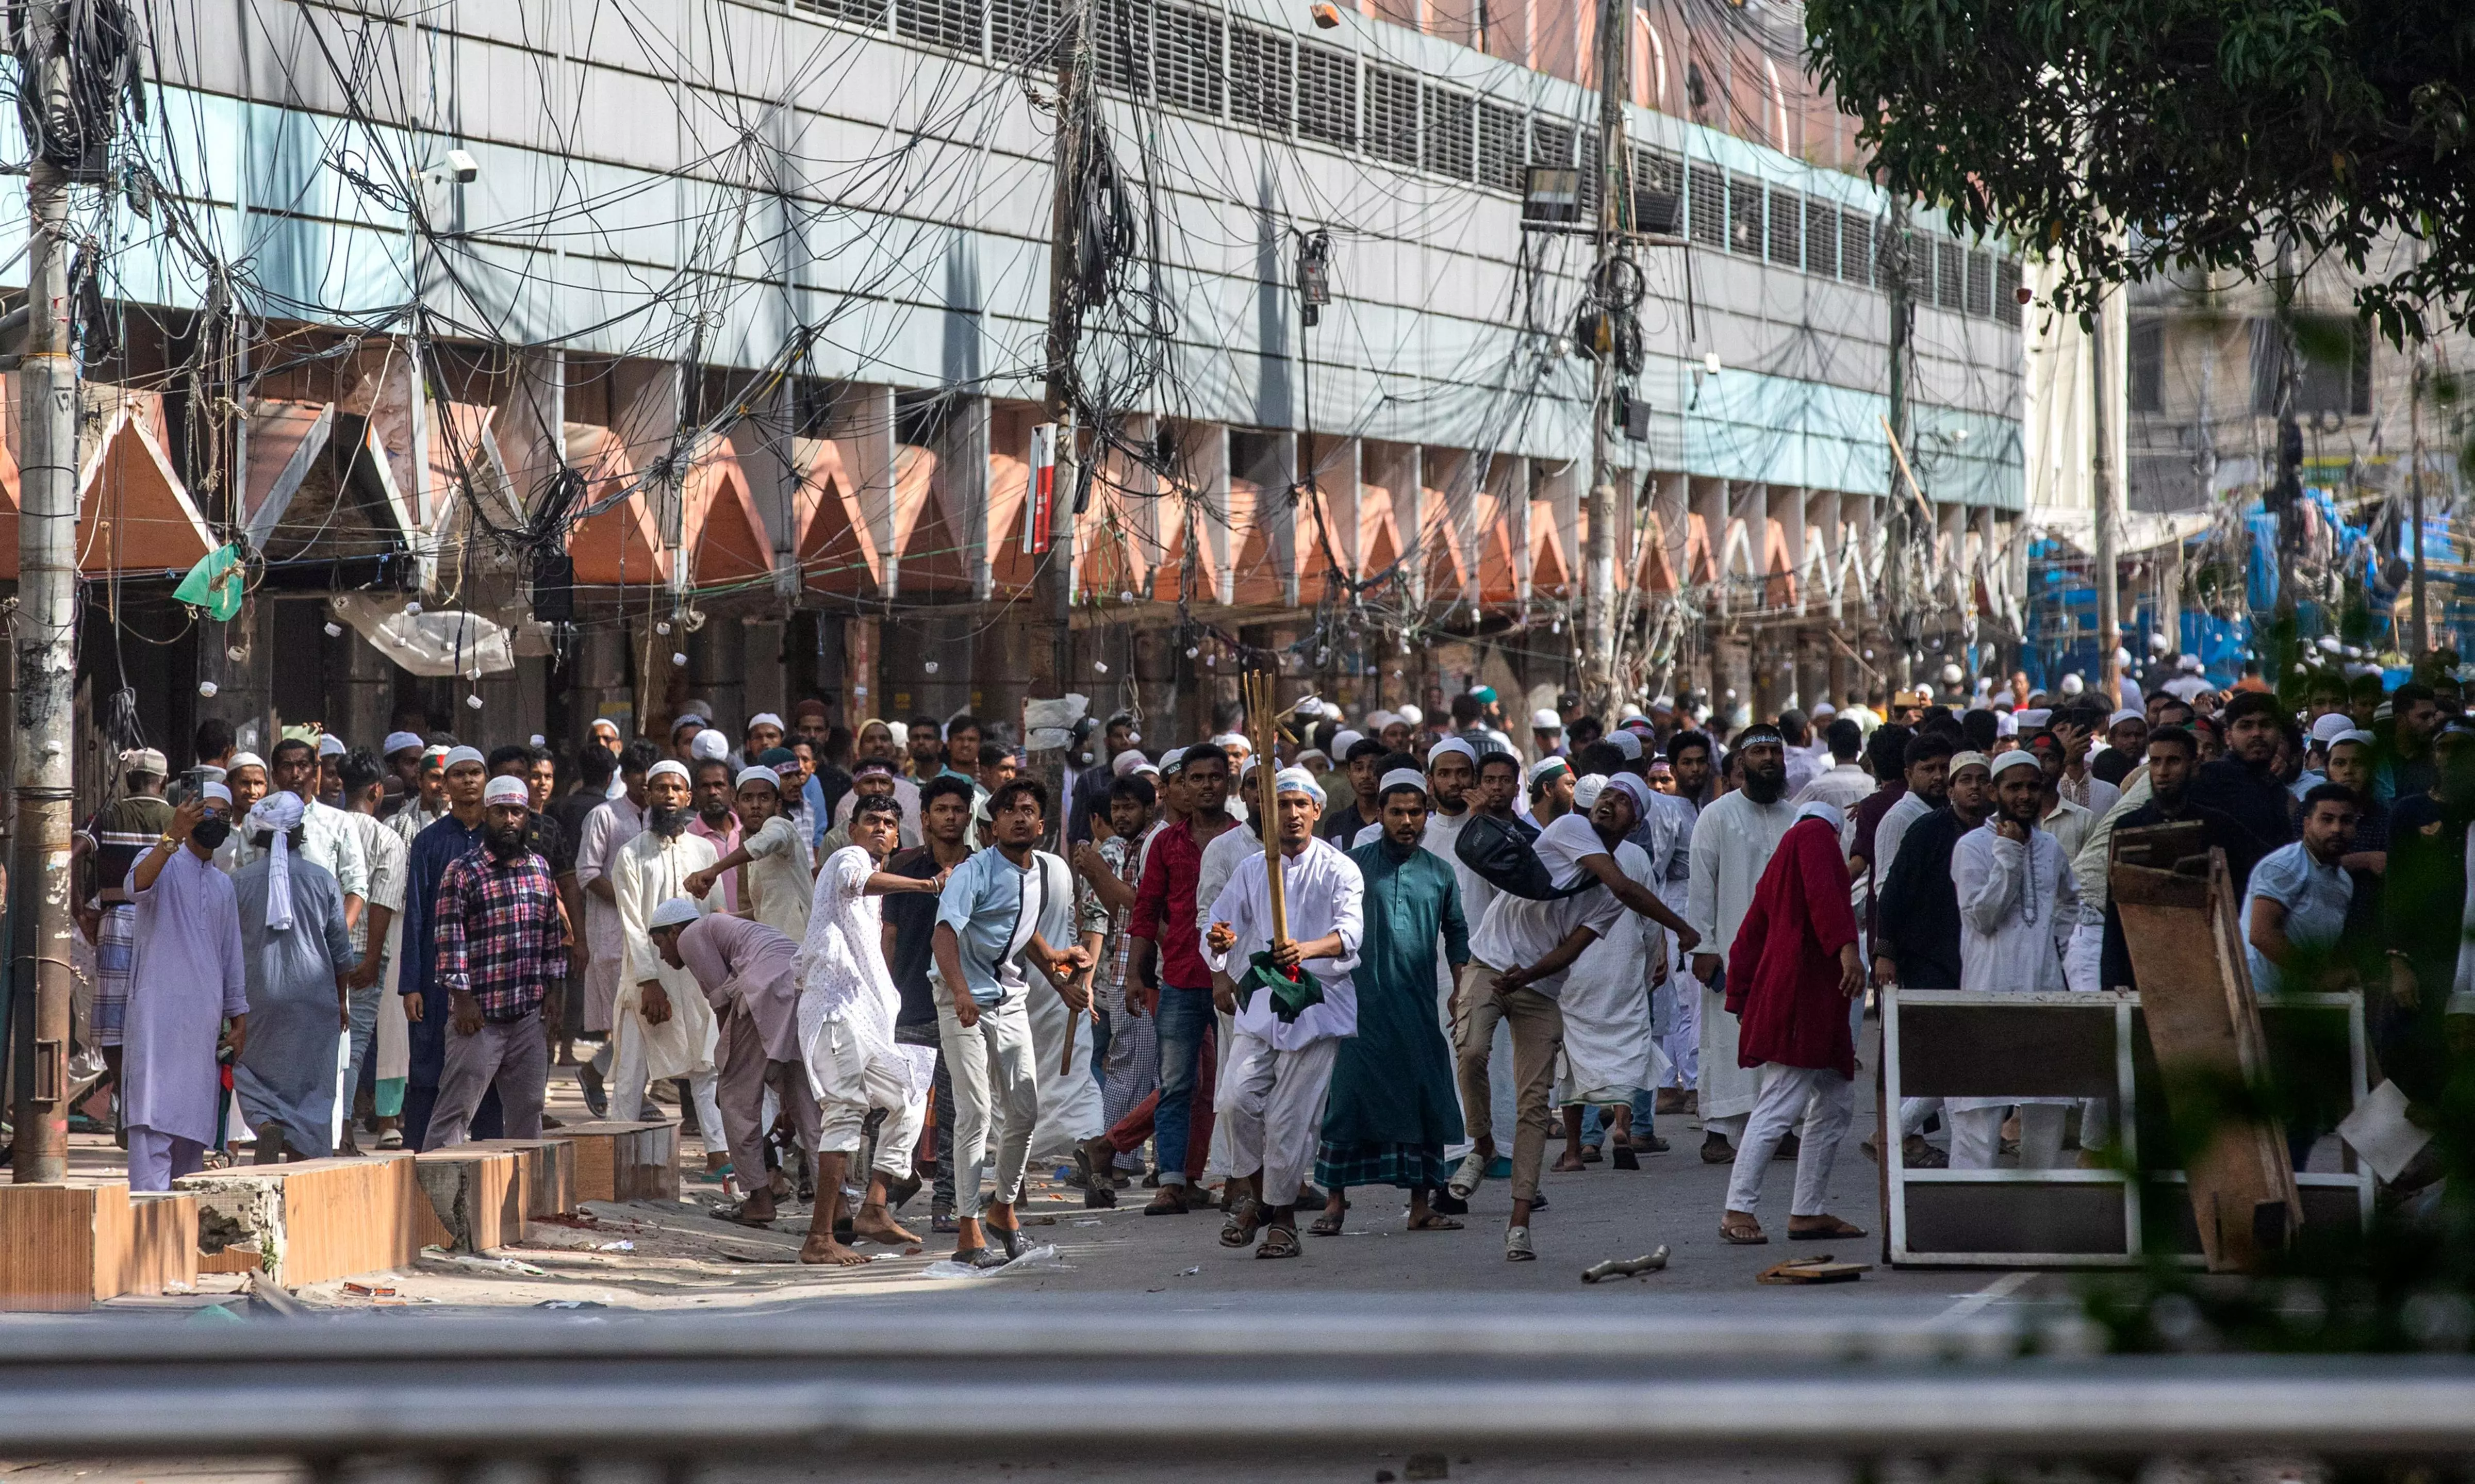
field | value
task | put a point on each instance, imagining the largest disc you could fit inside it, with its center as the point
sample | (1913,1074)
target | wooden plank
(319,1219)
(62,1248)
(2201,1016)
(625,1161)
(549,1166)
(477,1195)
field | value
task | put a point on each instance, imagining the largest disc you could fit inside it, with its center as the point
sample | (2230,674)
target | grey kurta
(185,979)
(286,1073)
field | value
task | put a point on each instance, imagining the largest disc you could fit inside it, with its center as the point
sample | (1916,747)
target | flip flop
(1328,1224)
(1434,1222)
(1278,1242)
(1741,1237)
(1243,1219)
(1838,1227)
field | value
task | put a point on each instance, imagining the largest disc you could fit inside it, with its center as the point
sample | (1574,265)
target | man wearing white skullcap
(447,839)
(764,731)
(502,941)
(774,883)
(295,953)
(663,1027)
(1354,804)
(1733,840)
(424,803)
(2017,905)
(187,978)
(1279,1066)
(113,837)
(1546,732)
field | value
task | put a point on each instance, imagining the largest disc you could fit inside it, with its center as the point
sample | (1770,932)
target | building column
(862,423)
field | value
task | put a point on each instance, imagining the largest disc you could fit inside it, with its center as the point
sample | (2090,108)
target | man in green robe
(1392,1108)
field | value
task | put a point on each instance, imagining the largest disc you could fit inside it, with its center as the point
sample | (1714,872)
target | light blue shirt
(2314,898)
(994,906)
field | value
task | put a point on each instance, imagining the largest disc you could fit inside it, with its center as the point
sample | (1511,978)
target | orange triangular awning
(623,544)
(837,550)
(1499,573)
(1547,569)
(1257,565)
(134,516)
(1168,576)
(1446,576)
(724,534)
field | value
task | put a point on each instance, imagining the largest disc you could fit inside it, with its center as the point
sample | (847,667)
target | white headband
(1297,780)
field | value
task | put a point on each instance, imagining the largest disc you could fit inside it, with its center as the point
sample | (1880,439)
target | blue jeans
(364,1006)
(1182,1022)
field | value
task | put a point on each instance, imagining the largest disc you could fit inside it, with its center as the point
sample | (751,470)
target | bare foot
(824,1249)
(757,1210)
(876,1224)
(1566,1164)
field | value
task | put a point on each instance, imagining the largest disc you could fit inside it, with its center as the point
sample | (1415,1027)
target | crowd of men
(851,961)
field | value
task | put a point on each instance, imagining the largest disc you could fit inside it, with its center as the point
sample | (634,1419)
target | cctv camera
(462,166)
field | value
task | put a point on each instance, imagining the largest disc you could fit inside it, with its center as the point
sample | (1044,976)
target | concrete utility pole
(47,624)
(2414,500)
(1898,602)
(1600,680)
(2286,494)
(2101,495)
(1052,594)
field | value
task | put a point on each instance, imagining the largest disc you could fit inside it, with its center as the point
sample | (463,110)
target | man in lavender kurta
(186,981)
(748,973)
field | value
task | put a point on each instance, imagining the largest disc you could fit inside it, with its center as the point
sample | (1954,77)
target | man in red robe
(1791,972)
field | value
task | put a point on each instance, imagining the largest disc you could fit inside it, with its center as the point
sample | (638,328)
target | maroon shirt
(1869,816)
(1166,898)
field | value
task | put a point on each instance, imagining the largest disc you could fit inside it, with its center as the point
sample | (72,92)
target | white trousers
(2081,957)
(851,1082)
(991,1063)
(1914,1112)
(627,1094)
(1271,1101)
(1681,1039)
(1977,1136)
(157,1159)
(1826,1101)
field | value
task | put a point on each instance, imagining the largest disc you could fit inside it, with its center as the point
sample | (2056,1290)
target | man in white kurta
(607,830)
(1732,845)
(185,980)
(662,1026)
(2017,907)
(1271,1096)
(848,1006)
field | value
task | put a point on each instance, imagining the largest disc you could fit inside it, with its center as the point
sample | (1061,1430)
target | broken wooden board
(475,1198)
(63,1248)
(316,1219)
(625,1161)
(2203,1020)
(1824,1268)
(549,1166)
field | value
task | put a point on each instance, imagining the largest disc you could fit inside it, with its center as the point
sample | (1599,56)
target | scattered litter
(1189,1273)
(614,1246)
(366,1291)
(1812,1270)
(1093,1222)
(1626,1267)
(571,1303)
(485,1264)
(1040,1256)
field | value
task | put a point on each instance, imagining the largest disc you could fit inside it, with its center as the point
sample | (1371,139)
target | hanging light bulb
(662,627)
(473,701)
(207,689)
(1100,667)
(334,630)
(679,660)
(237,654)
(412,610)
(1192,651)
(932,666)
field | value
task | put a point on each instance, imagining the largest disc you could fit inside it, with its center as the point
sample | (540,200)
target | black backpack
(1505,854)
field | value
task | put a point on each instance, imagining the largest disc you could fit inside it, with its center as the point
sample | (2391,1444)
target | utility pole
(46,620)
(2109,575)
(1052,598)
(2414,501)
(1899,601)
(1600,678)
(2286,494)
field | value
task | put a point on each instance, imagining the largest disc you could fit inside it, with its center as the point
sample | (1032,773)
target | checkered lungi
(115,953)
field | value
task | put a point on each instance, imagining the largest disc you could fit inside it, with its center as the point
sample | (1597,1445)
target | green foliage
(2132,136)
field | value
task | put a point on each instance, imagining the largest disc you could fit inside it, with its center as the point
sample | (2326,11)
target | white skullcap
(216,792)
(1378,721)
(1400,778)
(1545,719)
(1547,767)
(1125,763)
(764,775)
(688,719)
(332,746)
(1823,709)
(2349,736)
(410,742)
(241,760)
(278,813)
(1586,790)
(668,766)
(1662,703)
(2018,757)
(2189,662)
(2329,728)
(674,913)
(1631,788)
(709,747)
(1232,739)
(1627,743)
(504,790)
(2005,725)
(2122,715)
(765,718)
(2072,684)
(1316,753)
(457,756)
(1297,780)
(1342,741)
(1960,760)
(603,724)
(1827,813)
(1452,745)
(2035,717)
(1410,715)
(1142,768)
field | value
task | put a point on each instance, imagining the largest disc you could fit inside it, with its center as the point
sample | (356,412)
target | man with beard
(1179,999)
(608,829)
(1926,766)
(715,822)
(2017,905)
(448,839)
(501,941)
(2415,715)
(922,740)
(2174,754)
(1917,944)
(2243,783)
(663,1024)
(1732,843)
(297,955)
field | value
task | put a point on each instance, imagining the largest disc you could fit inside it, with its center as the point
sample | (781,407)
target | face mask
(210,831)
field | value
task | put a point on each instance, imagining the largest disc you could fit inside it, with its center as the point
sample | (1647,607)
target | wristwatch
(165,841)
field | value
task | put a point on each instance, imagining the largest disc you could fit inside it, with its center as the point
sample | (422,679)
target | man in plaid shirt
(501,938)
